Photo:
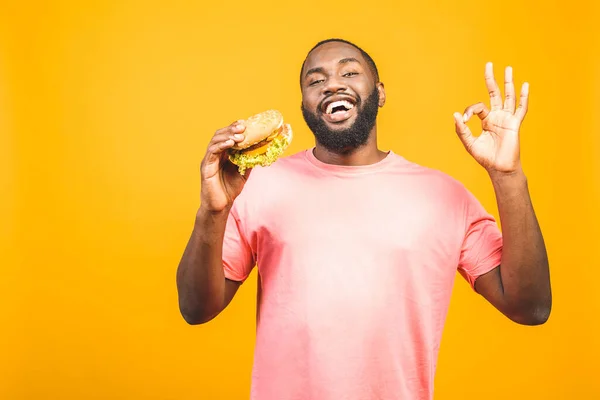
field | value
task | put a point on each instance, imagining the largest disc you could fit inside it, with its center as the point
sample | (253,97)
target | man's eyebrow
(347,60)
(316,70)
(320,70)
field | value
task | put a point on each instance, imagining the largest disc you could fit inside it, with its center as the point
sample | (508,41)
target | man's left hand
(497,147)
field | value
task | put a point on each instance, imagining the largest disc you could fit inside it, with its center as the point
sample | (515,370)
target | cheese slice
(259,150)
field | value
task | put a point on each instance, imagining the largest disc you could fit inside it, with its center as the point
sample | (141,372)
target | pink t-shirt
(356,267)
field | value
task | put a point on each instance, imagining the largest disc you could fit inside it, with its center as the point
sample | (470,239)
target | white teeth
(344,103)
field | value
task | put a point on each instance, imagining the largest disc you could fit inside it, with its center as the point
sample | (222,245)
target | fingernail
(238,136)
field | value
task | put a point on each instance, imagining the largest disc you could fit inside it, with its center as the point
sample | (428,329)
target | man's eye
(349,74)
(313,83)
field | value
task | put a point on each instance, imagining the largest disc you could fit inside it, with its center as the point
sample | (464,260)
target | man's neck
(365,155)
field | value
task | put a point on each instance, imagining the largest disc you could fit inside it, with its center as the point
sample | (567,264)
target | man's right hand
(221,182)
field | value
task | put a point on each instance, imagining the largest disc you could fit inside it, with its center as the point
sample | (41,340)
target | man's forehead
(332,52)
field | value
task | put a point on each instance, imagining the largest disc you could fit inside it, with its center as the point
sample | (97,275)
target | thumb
(463,131)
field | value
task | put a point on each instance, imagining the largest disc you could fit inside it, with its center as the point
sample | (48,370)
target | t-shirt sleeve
(482,244)
(238,257)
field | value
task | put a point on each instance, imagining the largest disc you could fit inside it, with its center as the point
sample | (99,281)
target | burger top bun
(260,127)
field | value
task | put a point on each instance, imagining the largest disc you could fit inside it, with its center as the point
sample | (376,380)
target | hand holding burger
(259,140)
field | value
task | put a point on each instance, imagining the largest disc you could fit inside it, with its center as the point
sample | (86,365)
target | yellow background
(106,108)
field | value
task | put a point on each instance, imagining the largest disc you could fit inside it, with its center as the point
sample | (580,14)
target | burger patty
(255,146)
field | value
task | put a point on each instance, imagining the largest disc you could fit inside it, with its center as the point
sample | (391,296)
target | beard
(343,141)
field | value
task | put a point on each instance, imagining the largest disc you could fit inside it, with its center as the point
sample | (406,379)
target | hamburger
(265,139)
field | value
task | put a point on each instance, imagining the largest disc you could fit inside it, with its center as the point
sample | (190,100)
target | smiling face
(340,96)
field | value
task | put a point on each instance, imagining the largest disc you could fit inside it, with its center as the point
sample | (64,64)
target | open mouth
(339,106)
(338,110)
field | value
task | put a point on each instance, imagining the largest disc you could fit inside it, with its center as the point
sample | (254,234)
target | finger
(230,132)
(215,150)
(226,137)
(463,131)
(234,123)
(236,127)
(219,147)
(492,87)
(223,139)
(236,137)
(478,109)
(509,91)
(219,144)
(523,102)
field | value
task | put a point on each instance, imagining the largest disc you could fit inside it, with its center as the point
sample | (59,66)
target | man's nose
(334,85)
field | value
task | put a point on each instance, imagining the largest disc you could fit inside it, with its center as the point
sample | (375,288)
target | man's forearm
(524,268)
(200,275)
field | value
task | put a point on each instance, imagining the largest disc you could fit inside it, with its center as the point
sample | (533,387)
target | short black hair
(362,52)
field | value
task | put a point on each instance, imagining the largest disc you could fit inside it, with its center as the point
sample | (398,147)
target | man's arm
(203,290)
(520,286)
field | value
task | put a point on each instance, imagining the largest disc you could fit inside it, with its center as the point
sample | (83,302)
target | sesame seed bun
(260,127)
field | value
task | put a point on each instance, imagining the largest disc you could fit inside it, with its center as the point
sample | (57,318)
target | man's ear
(381,90)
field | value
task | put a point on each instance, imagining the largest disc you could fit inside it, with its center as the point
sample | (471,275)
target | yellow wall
(105,111)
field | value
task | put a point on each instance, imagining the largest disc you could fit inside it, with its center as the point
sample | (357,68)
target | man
(357,249)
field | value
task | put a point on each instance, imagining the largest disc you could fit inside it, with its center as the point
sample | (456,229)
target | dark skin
(203,290)
(328,71)
(519,287)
